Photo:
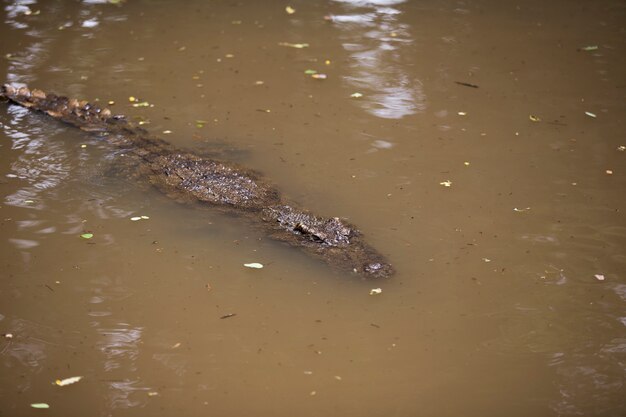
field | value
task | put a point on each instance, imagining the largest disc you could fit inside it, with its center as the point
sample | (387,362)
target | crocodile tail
(79,113)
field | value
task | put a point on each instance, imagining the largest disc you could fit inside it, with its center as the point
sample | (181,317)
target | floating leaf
(68,381)
(254,265)
(290,10)
(87,235)
(376,291)
(294,45)
(310,72)
(356,95)
(534,118)
(40,405)
(132,99)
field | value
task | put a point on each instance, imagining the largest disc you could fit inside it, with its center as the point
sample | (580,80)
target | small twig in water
(466,84)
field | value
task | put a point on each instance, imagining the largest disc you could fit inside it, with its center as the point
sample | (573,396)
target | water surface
(483,155)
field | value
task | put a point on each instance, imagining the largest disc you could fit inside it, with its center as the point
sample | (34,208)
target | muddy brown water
(510,292)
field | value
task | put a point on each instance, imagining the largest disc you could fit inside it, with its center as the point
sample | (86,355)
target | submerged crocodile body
(186,176)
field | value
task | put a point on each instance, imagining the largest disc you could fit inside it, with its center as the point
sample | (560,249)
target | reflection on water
(604,377)
(378,44)
(120,348)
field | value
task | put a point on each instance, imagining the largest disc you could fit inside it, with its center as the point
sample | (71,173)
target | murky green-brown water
(510,293)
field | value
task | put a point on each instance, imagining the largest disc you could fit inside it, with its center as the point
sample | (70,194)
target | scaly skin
(185,176)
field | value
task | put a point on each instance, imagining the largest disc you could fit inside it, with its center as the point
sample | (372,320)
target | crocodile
(229,187)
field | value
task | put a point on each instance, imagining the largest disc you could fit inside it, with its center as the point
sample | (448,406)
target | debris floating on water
(87,235)
(534,118)
(40,405)
(67,381)
(376,291)
(290,10)
(254,265)
(466,84)
(294,45)
(446,183)
(599,277)
(592,115)
(226,316)
(137,218)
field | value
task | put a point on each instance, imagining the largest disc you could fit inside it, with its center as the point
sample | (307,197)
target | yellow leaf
(68,381)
